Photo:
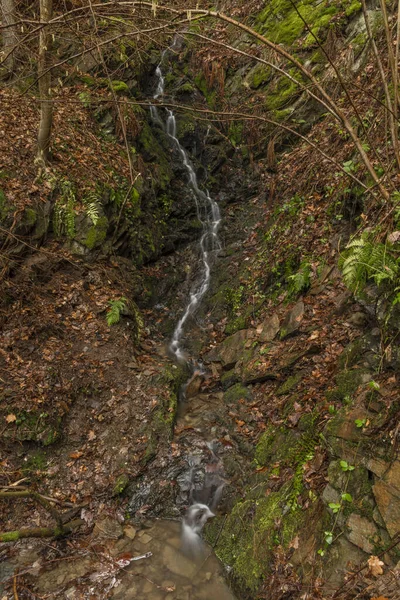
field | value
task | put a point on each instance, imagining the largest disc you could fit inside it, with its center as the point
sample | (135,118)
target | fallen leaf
(75,455)
(91,436)
(11,418)
(375,566)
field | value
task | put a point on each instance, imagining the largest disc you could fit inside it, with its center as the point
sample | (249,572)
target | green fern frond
(91,202)
(114,312)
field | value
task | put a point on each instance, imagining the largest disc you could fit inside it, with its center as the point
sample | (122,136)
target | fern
(64,211)
(366,260)
(114,312)
(91,204)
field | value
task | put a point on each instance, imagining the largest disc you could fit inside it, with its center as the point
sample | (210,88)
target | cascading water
(208,214)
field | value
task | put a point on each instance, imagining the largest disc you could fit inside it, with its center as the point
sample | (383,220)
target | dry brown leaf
(11,418)
(91,435)
(75,455)
(375,566)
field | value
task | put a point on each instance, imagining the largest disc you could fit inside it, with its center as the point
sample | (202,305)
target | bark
(10,35)
(44,79)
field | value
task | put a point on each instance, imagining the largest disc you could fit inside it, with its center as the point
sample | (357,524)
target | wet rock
(193,386)
(270,328)
(388,500)
(130,532)
(292,320)
(107,528)
(363,533)
(177,563)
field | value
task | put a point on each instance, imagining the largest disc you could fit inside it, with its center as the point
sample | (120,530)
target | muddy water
(168,574)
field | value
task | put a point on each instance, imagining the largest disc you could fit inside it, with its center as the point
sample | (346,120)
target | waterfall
(208,214)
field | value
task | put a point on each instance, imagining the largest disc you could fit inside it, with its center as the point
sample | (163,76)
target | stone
(292,320)
(130,532)
(392,477)
(193,385)
(107,528)
(145,538)
(362,532)
(388,500)
(231,349)
(270,328)
(177,563)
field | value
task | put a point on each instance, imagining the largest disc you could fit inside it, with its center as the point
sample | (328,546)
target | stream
(187,564)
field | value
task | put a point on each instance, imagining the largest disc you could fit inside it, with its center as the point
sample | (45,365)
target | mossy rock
(280,22)
(288,385)
(229,379)
(246,540)
(259,76)
(35,426)
(121,484)
(274,444)
(96,234)
(236,393)
(347,382)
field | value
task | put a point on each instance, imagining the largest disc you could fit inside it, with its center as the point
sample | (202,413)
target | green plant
(344,465)
(115,310)
(64,210)
(360,422)
(92,206)
(300,281)
(364,260)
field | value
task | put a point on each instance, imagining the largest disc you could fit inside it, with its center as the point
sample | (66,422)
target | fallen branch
(40,532)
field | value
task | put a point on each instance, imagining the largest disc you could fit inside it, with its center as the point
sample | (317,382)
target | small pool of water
(168,574)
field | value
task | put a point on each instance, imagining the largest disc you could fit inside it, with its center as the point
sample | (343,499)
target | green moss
(285,90)
(347,382)
(36,462)
(121,484)
(235,324)
(249,534)
(228,379)
(119,87)
(289,384)
(185,88)
(185,124)
(30,216)
(210,95)
(354,7)
(280,22)
(96,234)
(237,392)
(235,133)
(259,75)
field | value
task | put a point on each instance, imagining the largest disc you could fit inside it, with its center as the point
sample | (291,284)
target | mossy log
(40,532)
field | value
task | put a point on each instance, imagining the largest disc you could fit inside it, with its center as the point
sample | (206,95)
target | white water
(208,214)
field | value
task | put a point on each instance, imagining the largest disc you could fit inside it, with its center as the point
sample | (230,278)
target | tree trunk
(10,35)
(44,76)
